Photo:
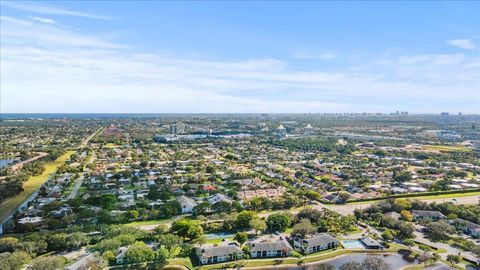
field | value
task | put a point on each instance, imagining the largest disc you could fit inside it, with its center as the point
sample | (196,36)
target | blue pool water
(211,236)
(352,244)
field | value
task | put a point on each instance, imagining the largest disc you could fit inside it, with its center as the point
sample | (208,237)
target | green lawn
(179,261)
(155,222)
(426,197)
(327,254)
(448,148)
(31,185)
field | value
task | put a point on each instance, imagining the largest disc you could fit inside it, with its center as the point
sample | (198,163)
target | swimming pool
(211,236)
(352,244)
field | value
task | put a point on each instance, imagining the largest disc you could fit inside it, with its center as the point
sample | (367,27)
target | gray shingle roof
(468,224)
(218,251)
(320,239)
(425,213)
(266,246)
(369,242)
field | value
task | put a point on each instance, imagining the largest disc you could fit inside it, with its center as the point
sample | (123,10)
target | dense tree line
(314,144)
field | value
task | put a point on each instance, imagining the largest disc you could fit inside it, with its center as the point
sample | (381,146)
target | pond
(395,260)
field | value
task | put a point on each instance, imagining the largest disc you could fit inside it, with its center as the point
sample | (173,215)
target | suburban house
(214,199)
(278,248)
(121,255)
(62,212)
(187,204)
(315,243)
(31,220)
(427,215)
(370,243)
(216,254)
(467,227)
(393,215)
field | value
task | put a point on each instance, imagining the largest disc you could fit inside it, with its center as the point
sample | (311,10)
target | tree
(170,209)
(14,261)
(244,218)
(7,244)
(258,225)
(387,235)
(406,215)
(139,252)
(435,257)
(57,242)
(438,231)
(185,228)
(108,245)
(76,240)
(375,263)
(107,201)
(304,228)
(409,243)
(132,215)
(32,247)
(125,239)
(201,208)
(241,237)
(160,229)
(160,260)
(405,230)
(402,176)
(109,256)
(351,266)
(278,222)
(169,242)
(454,259)
(48,263)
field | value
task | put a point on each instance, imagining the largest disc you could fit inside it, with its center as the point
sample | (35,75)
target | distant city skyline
(240,57)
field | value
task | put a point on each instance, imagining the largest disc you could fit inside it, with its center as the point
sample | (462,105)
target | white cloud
(50,10)
(49,68)
(306,55)
(466,44)
(43,20)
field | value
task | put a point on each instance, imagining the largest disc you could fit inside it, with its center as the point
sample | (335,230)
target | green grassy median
(31,185)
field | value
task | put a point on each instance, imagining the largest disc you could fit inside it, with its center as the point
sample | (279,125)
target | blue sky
(231,57)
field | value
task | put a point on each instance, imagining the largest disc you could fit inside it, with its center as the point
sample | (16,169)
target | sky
(239,57)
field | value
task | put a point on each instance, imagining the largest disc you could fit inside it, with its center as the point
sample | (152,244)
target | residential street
(419,237)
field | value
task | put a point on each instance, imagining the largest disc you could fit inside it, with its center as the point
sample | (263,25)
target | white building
(187,204)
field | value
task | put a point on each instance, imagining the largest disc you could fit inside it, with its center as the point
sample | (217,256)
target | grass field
(31,185)
(427,197)
(447,148)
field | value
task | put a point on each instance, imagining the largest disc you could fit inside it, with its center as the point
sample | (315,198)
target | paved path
(87,140)
(19,165)
(75,189)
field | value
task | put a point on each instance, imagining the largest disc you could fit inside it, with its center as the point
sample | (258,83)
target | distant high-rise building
(404,113)
(308,130)
(281,131)
(444,114)
(178,128)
